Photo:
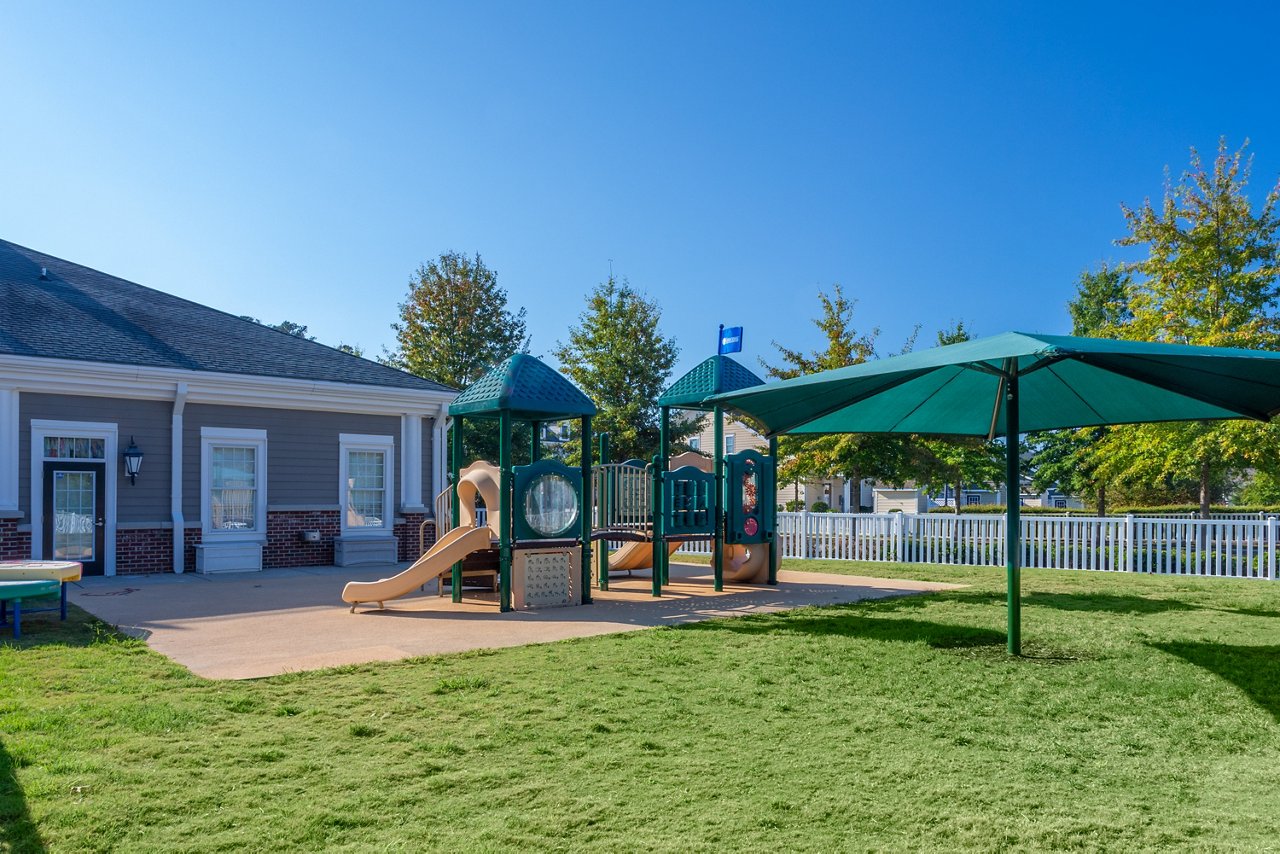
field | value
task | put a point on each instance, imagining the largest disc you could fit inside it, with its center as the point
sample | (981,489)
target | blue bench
(16,591)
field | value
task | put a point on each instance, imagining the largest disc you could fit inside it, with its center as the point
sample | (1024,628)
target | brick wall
(284,538)
(144,551)
(407,533)
(14,544)
(191,538)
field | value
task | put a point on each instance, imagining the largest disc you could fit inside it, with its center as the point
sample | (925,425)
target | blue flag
(731,340)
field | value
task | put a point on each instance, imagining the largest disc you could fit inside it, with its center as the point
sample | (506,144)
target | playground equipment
(534,514)
(652,510)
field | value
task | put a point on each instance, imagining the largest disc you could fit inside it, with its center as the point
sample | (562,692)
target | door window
(74,515)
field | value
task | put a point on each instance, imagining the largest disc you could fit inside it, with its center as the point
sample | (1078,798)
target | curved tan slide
(448,550)
(636,556)
(746,564)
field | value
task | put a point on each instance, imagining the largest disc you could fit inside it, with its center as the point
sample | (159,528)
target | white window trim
(81,430)
(368,442)
(233,437)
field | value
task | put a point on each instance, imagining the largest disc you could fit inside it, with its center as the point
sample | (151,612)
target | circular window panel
(551,505)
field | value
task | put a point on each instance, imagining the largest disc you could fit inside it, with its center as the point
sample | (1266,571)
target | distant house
(257,448)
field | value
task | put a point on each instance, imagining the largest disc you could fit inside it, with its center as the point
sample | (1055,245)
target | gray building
(257,448)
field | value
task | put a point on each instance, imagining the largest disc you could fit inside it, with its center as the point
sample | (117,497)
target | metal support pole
(772,509)
(717,547)
(535,442)
(604,500)
(455,466)
(655,527)
(662,556)
(586,510)
(504,511)
(1013,521)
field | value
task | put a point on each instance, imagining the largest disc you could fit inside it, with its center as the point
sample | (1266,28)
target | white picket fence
(1236,548)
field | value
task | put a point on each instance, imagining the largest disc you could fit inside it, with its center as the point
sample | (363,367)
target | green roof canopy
(715,375)
(525,387)
(1064,381)
(1016,382)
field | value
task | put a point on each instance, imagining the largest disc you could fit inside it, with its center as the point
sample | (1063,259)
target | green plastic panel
(525,387)
(688,501)
(751,510)
(544,493)
(716,375)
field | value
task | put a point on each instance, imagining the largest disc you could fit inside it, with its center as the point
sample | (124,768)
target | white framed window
(730,442)
(233,483)
(365,487)
(695,443)
(972,499)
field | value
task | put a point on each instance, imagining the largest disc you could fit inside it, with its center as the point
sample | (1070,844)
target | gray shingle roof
(80,313)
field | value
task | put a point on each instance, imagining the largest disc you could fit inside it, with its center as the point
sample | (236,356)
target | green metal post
(535,442)
(656,525)
(504,510)
(455,466)
(1013,539)
(605,500)
(772,510)
(661,556)
(586,510)
(717,547)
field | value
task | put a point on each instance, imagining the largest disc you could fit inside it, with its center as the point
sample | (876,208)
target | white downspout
(175,488)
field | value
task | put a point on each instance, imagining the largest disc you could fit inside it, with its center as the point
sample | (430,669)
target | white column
(175,482)
(439,460)
(848,492)
(411,462)
(9,449)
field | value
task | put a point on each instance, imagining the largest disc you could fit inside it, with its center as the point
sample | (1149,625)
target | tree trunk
(1204,490)
(855,492)
(1102,499)
(957,496)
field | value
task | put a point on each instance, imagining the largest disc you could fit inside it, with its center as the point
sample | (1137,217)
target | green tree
(854,456)
(1211,276)
(352,349)
(455,322)
(620,359)
(288,327)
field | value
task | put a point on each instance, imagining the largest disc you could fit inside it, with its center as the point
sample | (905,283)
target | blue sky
(941,161)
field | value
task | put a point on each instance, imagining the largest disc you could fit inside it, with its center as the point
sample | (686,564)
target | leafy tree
(353,349)
(618,356)
(298,330)
(1211,276)
(455,323)
(855,456)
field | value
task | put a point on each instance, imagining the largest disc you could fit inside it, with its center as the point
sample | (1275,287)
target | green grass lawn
(1143,717)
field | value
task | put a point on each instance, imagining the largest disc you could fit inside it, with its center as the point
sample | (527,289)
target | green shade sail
(527,388)
(1064,381)
(1016,382)
(712,376)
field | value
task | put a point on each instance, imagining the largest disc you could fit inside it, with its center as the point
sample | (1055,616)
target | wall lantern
(132,461)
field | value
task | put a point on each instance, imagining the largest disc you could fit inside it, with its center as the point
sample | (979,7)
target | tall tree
(1211,276)
(854,456)
(455,322)
(619,357)
(288,327)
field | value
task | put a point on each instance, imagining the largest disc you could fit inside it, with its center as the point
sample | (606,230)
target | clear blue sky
(942,161)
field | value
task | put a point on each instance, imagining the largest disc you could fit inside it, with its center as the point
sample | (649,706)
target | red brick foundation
(407,533)
(14,544)
(284,538)
(140,551)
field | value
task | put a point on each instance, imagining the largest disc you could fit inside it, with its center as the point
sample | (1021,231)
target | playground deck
(283,620)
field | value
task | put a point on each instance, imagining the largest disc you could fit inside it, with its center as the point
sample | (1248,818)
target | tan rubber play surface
(282,620)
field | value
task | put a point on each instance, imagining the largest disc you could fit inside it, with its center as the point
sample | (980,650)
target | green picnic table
(16,591)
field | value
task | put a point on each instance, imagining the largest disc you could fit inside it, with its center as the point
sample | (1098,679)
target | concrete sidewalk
(249,625)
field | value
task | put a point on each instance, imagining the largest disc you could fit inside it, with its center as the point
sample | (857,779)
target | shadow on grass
(834,622)
(18,831)
(1255,670)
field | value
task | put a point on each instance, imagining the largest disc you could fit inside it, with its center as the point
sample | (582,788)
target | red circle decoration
(750,526)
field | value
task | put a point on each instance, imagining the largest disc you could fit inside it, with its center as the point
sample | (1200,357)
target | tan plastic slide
(636,556)
(479,478)
(448,550)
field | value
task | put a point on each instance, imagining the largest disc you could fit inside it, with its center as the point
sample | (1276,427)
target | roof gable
(716,375)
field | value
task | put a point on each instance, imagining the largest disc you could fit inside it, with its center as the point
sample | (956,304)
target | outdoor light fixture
(132,461)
